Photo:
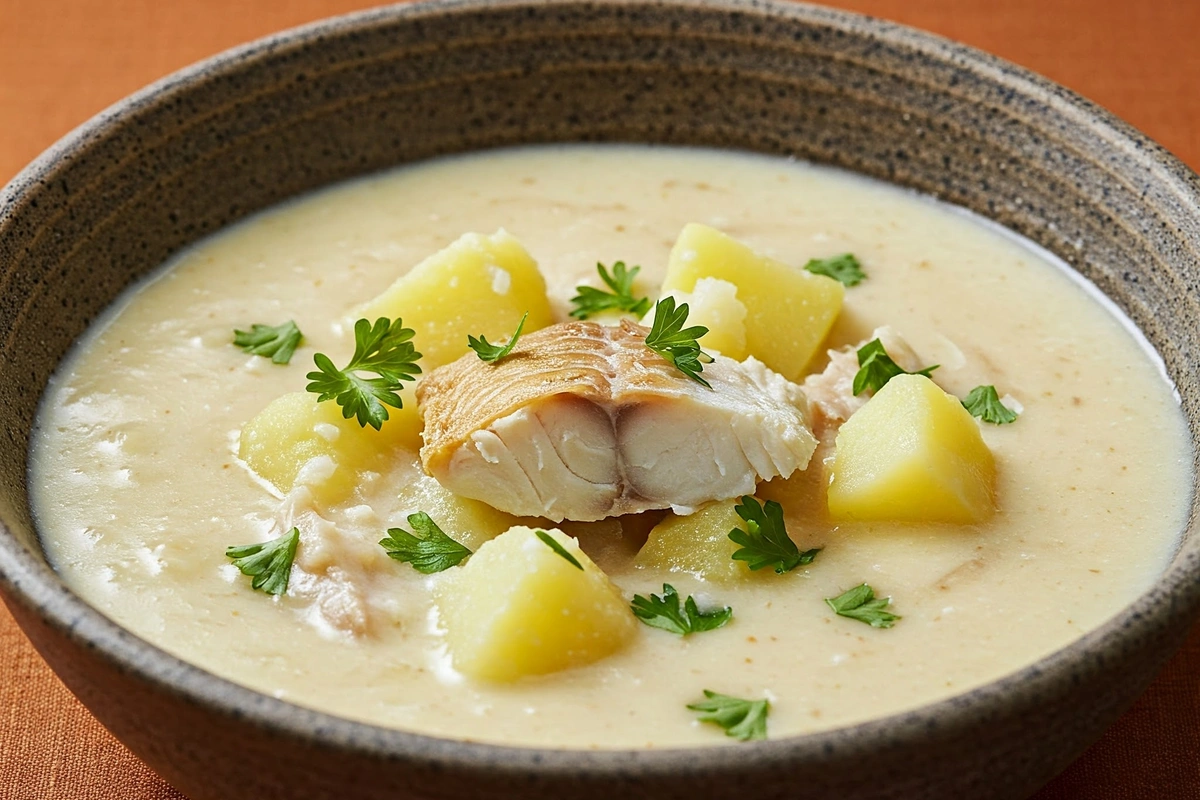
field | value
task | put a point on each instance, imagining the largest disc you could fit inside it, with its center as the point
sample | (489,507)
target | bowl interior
(339,99)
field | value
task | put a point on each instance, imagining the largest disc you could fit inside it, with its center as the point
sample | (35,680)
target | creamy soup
(138,490)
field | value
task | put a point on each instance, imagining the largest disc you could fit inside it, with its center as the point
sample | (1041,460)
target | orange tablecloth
(61,61)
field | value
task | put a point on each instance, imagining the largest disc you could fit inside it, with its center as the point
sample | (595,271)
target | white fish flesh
(582,421)
(831,391)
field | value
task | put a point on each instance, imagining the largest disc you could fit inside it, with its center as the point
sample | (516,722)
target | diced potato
(912,454)
(404,425)
(518,608)
(465,520)
(698,544)
(476,285)
(295,439)
(790,310)
(714,304)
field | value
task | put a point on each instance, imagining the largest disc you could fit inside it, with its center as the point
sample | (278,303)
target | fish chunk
(831,392)
(583,421)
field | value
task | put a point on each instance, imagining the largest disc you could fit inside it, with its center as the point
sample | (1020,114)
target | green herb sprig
(744,720)
(427,548)
(385,349)
(678,344)
(984,402)
(492,353)
(268,563)
(844,268)
(664,612)
(764,540)
(591,300)
(876,368)
(277,342)
(860,603)
(549,541)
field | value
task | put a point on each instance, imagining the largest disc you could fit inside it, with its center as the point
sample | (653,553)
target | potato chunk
(714,304)
(698,544)
(295,440)
(476,285)
(912,454)
(519,608)
(468,521)
(791,310)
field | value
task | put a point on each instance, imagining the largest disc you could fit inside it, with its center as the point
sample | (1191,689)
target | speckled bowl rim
(33,583)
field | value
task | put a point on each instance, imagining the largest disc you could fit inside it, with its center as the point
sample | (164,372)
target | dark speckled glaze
(337,99)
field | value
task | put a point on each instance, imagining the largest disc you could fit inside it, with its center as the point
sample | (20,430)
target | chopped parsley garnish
(860,603)
(984,402)
(428,549)
(492,353)
(268,563)
(844,268)
(276,342)
(764,541)
(675,343)
(742,719)
(591,300)
(548,540)
(385,349)
(664,612)
(876,368)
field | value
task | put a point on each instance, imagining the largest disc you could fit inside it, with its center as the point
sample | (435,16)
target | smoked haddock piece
(582,421)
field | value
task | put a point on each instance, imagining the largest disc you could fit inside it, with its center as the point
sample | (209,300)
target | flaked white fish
(583,421)
(831,391)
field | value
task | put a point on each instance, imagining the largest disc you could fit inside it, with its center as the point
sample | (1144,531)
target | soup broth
(138,489)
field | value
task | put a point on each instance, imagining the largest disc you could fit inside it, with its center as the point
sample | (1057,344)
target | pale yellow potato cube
(467,521)
(295,440)
(478,285)
(404,425)
(912,454)
(790,310)
(518,608)
(714,304)
(697,544)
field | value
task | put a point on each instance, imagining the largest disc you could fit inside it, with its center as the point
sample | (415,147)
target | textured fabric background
(61,61)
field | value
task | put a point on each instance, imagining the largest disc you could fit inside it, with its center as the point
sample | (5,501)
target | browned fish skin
(583,421)
(469,394)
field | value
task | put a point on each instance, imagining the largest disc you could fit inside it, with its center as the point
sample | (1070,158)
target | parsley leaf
(676,343)
(276,341)
(268,563)
(984,402)
(860,603)
(764,542)
(592,301)
(664,612)
(492,353)
(384,348)
(742,719)
(845,268)
(876,368)
(548,540)
(428,549)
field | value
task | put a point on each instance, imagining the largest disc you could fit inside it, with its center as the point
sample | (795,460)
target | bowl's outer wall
(340,99)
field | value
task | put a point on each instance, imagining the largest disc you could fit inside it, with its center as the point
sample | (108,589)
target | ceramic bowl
(306,108)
